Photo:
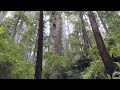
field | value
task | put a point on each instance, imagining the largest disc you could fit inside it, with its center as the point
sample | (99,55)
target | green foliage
(114,50)
(23,71)
(118,64)
(1,30)
(12,61)
(75,46)
(5,69)
(93,72)
(74,74)
(93,53)
(110,41)
(53,64)
(108,76)
(15,58)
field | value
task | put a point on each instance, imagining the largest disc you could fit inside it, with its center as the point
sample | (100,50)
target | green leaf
(1,30)
(117,63)
(108,76)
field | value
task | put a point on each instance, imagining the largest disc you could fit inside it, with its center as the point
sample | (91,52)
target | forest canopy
(59,45)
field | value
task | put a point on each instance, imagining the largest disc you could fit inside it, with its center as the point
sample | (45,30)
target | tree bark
(103,23)
(85,35)
(64,34)
(38,70)
(56,32)
(14,29)
(109,66)
(2,15)
(48,43)
(59,27)
(68,30)
(35,50)
(19,31)
(89,29)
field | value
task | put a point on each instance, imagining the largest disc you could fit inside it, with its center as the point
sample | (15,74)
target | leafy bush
(23,71)
(93,53)
(54,65)
(94,71)
(13,63)
(115,50)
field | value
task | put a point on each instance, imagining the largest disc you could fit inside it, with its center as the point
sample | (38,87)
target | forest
(59,45)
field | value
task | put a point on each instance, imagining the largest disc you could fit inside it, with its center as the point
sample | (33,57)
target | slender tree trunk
(64,34)
(23,30)
(48,43)
(103,23)
(101,45)
(2,15)
(85,35)
(35,49)
(19,31)
(14,30)
(38,70)
(68,30)
(89,29)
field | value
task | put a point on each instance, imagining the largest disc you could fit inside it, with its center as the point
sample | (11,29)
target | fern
(117,63)
(108,76)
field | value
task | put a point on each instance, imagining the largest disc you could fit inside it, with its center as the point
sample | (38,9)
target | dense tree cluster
(59,45)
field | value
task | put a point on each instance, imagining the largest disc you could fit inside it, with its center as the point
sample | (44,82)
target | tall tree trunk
(64,34)
(19,31)
(101,45)
(59,27)
(103,23)
(68,30)
(56,32)
(89,29)
(48,43)
(20,28)
(38,70)
(52,31)
(2,15)
(85,35)
(14,29)
(35,49)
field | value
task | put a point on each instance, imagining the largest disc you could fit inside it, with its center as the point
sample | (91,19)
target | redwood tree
(56,32)
(103,23)
(109,66)
(2,15)
(38,70)
(85,34)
